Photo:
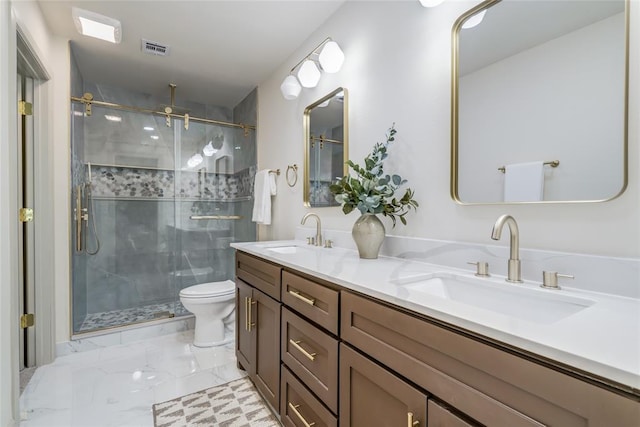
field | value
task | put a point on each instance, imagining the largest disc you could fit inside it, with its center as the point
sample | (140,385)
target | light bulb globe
(308,74)
(331,57)
(290,88)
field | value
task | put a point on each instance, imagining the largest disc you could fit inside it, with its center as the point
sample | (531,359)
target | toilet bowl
(212,304)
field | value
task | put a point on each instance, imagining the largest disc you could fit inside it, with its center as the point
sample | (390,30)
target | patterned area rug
(236,404)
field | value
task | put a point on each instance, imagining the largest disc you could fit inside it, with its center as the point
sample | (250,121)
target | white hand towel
(524,182)
(262,191)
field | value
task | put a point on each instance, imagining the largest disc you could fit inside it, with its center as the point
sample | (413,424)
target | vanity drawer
(300,408)
(486,383)
(259,274)
(318,303)
(438,416)
(312,355)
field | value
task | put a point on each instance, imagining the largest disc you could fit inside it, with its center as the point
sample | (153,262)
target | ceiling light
(113,118)
(331,57)
(95,25)
(290,87)
(208,149)
(308,74)
(149,128)
(431,3)
(474,20)
(155,137)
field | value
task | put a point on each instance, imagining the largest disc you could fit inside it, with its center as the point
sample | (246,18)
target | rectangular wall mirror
(325,147)
(540,91)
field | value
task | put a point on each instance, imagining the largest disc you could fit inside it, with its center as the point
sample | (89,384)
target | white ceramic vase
(368,233)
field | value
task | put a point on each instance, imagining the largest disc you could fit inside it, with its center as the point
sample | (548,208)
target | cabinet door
(265,315)
(442,417)
(243,334)
(372,396)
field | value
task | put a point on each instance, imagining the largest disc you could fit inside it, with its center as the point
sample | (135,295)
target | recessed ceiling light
(113,118)
(149,128)
(95,25)
(155,137)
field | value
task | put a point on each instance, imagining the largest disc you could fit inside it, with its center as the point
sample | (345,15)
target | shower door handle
(79,216)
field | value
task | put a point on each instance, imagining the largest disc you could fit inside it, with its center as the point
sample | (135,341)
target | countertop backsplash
(609,275)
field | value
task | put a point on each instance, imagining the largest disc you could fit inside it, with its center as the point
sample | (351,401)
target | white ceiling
(220,50)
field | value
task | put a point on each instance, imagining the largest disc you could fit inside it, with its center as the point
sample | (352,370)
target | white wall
(397,69)
(569,110)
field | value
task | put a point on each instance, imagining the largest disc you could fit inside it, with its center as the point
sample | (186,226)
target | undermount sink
(517,301)
(286,248)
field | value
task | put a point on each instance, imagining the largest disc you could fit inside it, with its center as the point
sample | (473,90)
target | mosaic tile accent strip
(112,181)
(95,321)
(236,404)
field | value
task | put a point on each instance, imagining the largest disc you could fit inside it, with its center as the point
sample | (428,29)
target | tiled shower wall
(112,181)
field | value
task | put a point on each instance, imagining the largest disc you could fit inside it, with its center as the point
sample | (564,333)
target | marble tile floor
(106,319)
(117,385)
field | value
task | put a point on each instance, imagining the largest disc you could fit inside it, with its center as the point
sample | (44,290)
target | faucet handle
(328,243)
(482,268)
(311,240)
(550,279)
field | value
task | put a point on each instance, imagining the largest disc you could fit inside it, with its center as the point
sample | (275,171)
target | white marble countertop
(602,340)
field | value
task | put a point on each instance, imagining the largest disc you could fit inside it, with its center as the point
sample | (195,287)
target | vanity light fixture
(327,57)
(474,20)
(95,25)
(431,3)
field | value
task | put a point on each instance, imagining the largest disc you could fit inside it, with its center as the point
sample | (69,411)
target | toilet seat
(211,289)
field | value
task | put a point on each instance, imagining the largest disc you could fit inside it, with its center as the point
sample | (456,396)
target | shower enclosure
(156,202)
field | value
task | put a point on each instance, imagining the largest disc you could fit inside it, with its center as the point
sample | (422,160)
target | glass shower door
(124,217)
(215,166)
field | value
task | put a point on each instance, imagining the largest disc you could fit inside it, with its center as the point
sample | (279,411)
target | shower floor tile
(108,319)
(117,385)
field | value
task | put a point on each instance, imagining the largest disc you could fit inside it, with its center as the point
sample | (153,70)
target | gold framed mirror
(540,91)
(326,142)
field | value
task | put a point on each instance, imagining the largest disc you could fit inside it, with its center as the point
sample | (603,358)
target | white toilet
(212,304)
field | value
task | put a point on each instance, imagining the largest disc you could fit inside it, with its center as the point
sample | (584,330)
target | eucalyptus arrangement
(370,190)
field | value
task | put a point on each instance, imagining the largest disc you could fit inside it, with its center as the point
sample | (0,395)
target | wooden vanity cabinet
(310,339)
(485,382)
(258,326)
(370,395)
(322,355)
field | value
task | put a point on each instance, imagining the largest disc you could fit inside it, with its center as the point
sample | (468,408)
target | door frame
(43,302)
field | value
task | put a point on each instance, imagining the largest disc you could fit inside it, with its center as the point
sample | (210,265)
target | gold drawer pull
(296,344)
(250,322)
(410,422)
(294,408)
(303,298)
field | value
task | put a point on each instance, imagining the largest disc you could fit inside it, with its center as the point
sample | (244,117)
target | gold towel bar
(552,163)
(276,171)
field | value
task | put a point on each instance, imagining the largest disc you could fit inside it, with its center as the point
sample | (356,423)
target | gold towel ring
(293,178)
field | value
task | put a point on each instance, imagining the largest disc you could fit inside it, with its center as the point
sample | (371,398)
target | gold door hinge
(27,320)
(25,108)
(26,214)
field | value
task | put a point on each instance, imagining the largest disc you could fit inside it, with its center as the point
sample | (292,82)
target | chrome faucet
(513,270)
(318,238)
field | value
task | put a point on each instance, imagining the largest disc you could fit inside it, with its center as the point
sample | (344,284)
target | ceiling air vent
(154,48)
